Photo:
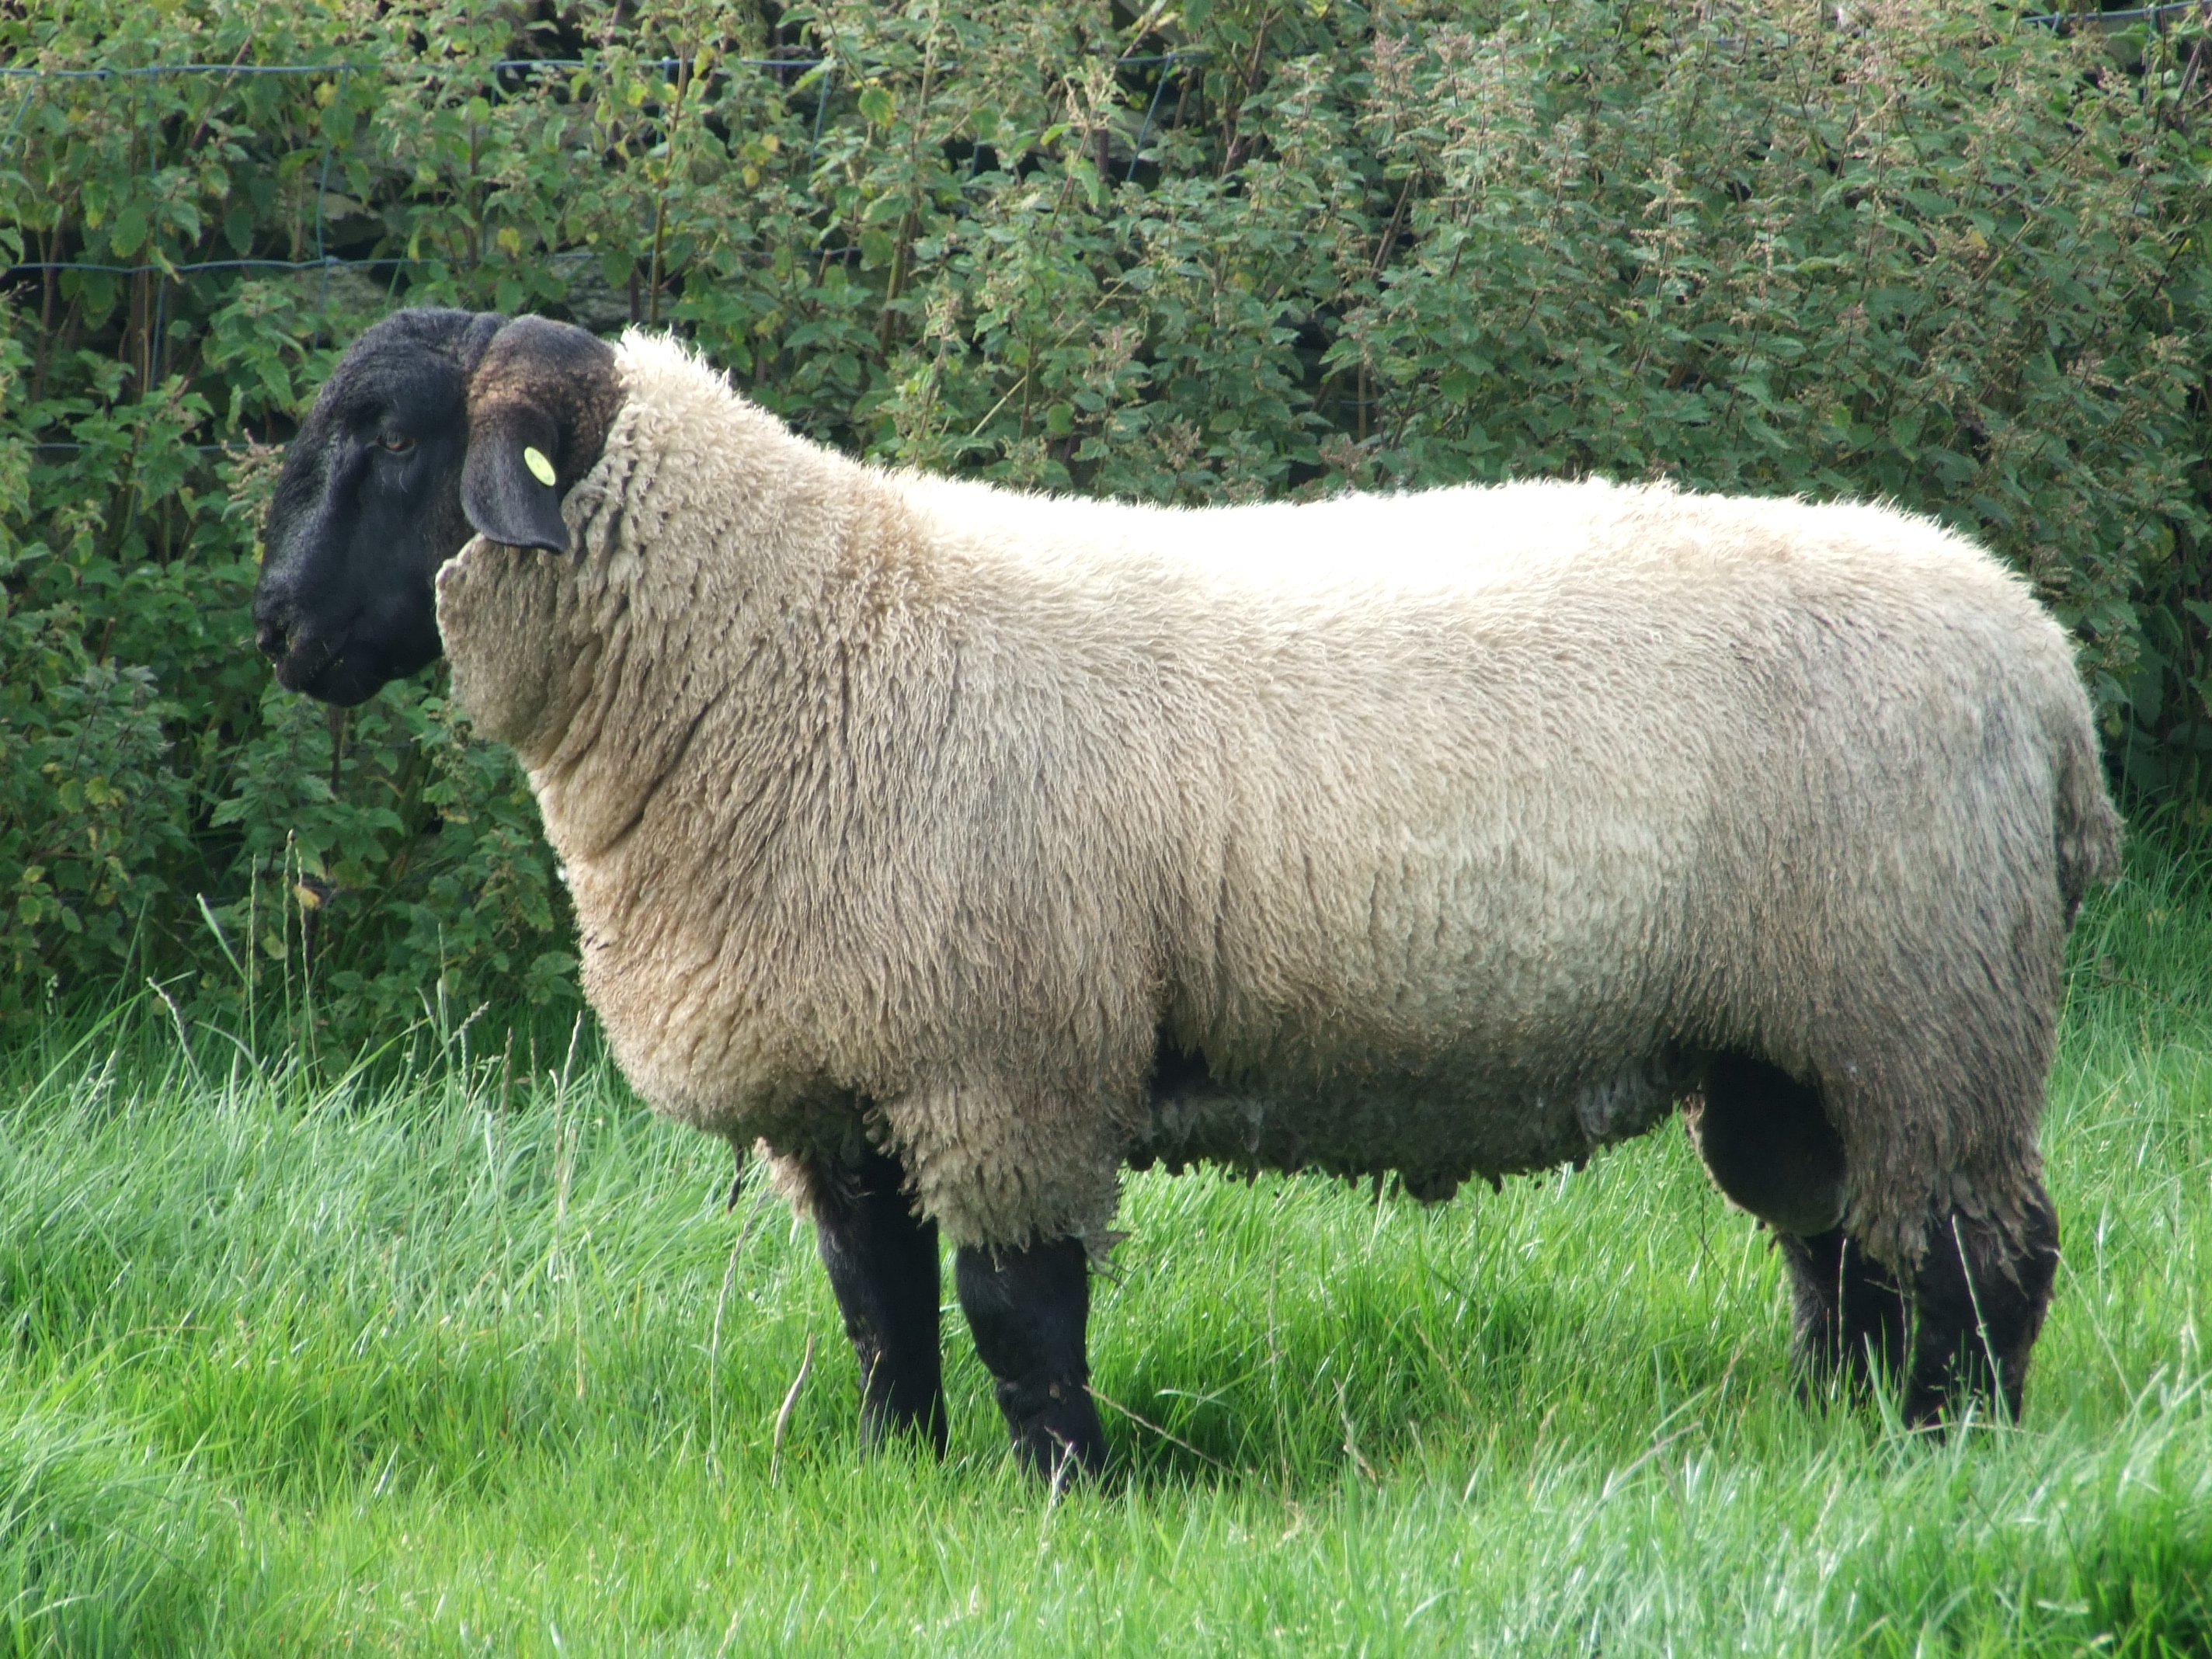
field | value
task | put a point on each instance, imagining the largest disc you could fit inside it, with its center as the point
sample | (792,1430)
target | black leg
(1027,1310)
(883,1264)
(1848,1313)
(1980,1297)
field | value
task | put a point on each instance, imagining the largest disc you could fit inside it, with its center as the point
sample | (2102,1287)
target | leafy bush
(1935,254)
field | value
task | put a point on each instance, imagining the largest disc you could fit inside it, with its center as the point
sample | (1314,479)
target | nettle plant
(1937,255)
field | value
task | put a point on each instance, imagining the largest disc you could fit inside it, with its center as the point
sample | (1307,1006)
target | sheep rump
(1446,834)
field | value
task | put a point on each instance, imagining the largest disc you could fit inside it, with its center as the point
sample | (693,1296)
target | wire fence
(824,69)
(2112,21)
(504,78)
(794,71)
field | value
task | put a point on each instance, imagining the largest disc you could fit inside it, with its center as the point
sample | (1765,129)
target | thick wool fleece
(1440,833)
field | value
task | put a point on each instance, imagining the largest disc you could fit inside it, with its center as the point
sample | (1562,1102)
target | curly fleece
(1438,833)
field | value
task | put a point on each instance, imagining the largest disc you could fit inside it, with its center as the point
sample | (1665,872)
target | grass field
(460,1368)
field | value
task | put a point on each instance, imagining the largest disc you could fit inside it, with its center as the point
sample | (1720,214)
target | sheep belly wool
(1443,834)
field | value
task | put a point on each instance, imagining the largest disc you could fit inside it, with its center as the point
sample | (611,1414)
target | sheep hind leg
(1028,1310)
(1849,1312)
(1979,1296)
(883,1264)
(1767,1142)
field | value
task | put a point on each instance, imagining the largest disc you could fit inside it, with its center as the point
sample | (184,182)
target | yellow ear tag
(540,468)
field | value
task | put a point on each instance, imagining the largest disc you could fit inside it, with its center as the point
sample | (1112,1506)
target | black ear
(482,329)
(509,489)
(541,400)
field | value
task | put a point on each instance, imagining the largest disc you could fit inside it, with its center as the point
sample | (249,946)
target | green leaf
(130,232)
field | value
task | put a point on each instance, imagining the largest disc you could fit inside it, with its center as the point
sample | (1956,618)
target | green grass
(473,1366)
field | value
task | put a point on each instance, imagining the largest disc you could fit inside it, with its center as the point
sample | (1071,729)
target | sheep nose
(270,636)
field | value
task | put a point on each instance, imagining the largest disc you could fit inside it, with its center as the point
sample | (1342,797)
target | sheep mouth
(335,672)
(301,661)
(345,680)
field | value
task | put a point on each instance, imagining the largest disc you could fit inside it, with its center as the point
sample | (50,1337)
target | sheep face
(436,424)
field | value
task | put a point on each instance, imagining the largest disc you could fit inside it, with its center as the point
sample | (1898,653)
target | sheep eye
(397,443)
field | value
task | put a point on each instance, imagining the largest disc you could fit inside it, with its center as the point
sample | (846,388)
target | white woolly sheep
(964,845)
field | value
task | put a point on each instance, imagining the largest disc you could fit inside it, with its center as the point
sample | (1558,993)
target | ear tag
(540,468)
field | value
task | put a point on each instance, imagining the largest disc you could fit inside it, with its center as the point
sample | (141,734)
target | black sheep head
(436,425)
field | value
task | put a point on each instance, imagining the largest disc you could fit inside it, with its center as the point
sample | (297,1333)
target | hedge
(1942,255)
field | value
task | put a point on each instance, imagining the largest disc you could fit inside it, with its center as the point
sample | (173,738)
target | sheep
(962,847)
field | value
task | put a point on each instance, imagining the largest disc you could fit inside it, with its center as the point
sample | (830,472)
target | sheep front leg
(1028,1310)
(883,1263)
